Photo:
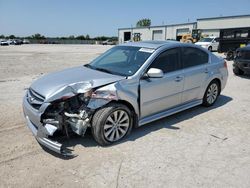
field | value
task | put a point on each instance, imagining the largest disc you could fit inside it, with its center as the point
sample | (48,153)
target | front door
(160,94)
(215,44)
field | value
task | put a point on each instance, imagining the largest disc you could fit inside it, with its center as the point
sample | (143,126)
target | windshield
(121,60)
(206,40)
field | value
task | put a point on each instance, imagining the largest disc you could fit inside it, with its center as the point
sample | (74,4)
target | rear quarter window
(193,57)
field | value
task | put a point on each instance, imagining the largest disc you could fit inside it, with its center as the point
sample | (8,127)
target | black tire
(100,118)
(210,48)
(206,101)
(230,55)
(237,71)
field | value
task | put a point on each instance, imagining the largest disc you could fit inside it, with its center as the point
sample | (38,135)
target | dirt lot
(201,147)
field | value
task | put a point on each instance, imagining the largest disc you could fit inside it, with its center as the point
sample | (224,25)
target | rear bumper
(41,132)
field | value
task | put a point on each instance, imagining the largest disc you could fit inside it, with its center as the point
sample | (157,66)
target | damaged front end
(67,111)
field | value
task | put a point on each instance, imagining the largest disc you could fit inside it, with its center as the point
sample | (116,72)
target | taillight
(225,64)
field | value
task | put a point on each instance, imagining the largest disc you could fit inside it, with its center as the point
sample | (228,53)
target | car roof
(151,44)
(157,44)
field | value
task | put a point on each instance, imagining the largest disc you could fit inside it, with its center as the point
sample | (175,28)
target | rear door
(159,94)
(194,62)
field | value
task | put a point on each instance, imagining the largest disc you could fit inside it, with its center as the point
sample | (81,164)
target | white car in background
(3,42)
(210,43)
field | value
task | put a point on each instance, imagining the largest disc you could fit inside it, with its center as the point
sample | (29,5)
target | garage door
(182,31)
(157,35)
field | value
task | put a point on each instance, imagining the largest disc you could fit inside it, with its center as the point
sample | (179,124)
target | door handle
(178,78)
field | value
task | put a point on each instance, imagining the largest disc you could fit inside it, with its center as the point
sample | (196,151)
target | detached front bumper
(52,145)
(39,131)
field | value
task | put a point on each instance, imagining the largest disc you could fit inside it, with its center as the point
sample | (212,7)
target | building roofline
(157,26)
(223,17)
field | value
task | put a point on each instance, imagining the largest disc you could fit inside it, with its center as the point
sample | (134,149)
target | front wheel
(111,123)
(210,48)
(211,94)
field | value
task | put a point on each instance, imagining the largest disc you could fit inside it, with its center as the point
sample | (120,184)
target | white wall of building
(172,30)
(168,32)
(146,33)
(224,22)
(211,32)
(208,26)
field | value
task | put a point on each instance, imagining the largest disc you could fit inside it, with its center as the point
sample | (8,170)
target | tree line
(38,36)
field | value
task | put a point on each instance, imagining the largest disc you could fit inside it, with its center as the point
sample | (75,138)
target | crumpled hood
(71,81)
(202,43)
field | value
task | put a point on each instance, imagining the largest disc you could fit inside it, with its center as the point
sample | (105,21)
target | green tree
(11,37)
(71,37)
(87,37)
(38,36)
(80,37)
(145,22)
(2,36)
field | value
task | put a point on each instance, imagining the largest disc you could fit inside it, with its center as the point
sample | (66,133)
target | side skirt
(169,112)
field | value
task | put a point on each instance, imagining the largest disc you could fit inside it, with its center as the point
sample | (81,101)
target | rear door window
(193,57)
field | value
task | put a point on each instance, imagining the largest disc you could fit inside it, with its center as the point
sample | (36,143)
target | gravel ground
(200,147)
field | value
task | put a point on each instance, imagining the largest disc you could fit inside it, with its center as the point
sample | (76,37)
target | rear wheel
(111,123)
(237,70)
(211,94)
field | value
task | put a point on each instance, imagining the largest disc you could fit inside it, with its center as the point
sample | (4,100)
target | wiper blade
(89,66)
(103,70)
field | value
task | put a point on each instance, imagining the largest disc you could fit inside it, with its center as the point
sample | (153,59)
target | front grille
(35,99)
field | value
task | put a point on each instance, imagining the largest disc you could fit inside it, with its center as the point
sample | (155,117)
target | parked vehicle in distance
(127,41)
(10,41)
(26,41)
(192,38)
(18,42)
(241,63)
(128,86)
(4,42)
(109,42)
(232,39)
(211,43)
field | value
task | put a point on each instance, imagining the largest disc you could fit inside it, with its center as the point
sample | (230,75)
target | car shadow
(169,122)
(245,76)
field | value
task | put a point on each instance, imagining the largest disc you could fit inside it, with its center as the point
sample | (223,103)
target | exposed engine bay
(68,115)
(72,113)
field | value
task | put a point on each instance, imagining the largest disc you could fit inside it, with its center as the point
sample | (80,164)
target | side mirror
(155,73)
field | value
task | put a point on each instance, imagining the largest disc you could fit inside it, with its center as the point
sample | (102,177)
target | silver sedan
(128,86)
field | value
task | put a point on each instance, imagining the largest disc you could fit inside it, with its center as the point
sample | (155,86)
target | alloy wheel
(212,93)
(116,125)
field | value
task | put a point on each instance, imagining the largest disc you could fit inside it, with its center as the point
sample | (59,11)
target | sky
(54,18)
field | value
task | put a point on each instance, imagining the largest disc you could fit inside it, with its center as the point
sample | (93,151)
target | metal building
(207,26)
(166,32)
(212,26)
